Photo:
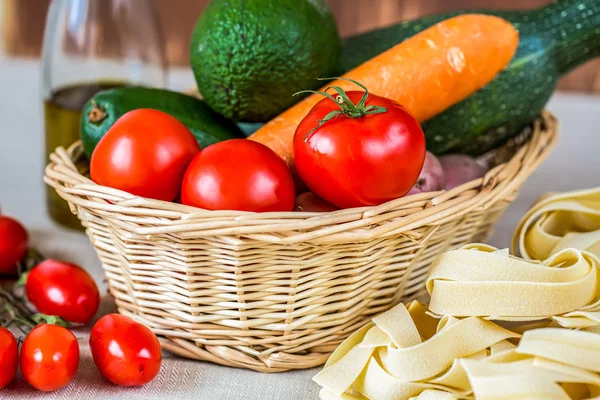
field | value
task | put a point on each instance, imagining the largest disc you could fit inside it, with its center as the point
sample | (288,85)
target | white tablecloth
(573,164)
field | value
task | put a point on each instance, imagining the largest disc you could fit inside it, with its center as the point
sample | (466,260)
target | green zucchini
(248,128)
(102,110)
(553,40)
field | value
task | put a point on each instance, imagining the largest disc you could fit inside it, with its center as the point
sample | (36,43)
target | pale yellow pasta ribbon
(388,358)
(478,280)
(464,359)
(560,221)
(453,350)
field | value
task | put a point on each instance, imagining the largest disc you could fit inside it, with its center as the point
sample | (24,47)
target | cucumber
(102,110)
(553,40)
(248,128)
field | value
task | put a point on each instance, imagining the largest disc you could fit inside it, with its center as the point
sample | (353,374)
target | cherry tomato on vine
(49,357)
(238,174)
(365,152)
(145,153)
(9,357)
(13,244)
(62,289)
(126,352)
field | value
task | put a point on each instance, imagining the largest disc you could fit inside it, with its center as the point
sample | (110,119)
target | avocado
(250,56)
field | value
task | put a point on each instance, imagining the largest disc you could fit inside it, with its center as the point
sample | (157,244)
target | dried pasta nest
(279,291)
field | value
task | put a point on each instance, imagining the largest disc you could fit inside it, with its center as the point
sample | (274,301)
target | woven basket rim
(142,216)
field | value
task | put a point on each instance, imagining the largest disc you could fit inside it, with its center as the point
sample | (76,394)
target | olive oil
(62,113)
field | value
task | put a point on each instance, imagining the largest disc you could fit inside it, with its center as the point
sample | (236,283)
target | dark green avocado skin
(553,40)
(250,56)
(207,126)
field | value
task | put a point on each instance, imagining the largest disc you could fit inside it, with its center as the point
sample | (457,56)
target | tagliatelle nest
(452,349)
(406,353)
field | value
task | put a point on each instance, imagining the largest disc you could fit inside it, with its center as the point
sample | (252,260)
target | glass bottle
(91,45)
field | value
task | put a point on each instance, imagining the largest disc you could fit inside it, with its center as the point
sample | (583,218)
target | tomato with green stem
(125,352)
(64,290)
(13,244)
(358,149)
(9,357)
(49,357)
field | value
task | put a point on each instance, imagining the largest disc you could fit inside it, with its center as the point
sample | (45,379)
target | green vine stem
(14,309)
(32,258)
(15,312)
(49,319)
(347,107)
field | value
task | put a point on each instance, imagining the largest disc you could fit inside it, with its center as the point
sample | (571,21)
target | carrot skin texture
(426,73)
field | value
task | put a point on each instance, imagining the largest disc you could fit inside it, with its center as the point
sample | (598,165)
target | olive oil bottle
(62,113)
(89,46)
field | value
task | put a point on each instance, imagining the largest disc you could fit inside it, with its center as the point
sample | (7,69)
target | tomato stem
(347,107)
(17,311)
(33,258)
(14,309)
(49,319)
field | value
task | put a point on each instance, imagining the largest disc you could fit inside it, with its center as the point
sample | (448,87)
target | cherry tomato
(9,357)
(238,174)
(362,160)
(13,244)
(144,153)
(310,202)
(126,352)
(62,289)
(49,357)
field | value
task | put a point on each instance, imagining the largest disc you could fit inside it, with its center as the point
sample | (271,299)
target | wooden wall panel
(23,20)
(22,26)
(178,18)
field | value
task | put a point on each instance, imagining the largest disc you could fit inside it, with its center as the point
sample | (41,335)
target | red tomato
(13,245)
(310,202)
(238,174)
(126,353)
(360,161)
(49,357)
(144,153)
(64,290)
(9,357)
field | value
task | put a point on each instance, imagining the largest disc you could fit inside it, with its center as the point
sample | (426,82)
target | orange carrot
(426,73)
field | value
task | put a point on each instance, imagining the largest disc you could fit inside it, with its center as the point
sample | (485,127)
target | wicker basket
(278,291)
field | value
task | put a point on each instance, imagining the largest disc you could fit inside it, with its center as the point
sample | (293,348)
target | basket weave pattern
(278,291)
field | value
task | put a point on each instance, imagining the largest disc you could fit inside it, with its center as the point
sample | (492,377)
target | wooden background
(23,24)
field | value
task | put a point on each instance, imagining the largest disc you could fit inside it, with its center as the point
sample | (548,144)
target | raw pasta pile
(480,281)
(497,326)
(560,221)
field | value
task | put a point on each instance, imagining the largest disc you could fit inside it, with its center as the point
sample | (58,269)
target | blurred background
(22,26)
